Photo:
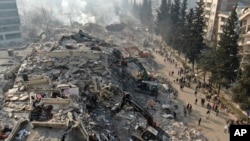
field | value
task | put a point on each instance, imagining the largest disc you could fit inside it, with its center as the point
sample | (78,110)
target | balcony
(208,1)
(244,14)
(208,8)
(245,34)
(245,60)
(240,43)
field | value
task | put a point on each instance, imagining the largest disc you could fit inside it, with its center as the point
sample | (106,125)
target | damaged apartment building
(68,90)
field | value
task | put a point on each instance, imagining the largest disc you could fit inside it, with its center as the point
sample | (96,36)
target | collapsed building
(66,90)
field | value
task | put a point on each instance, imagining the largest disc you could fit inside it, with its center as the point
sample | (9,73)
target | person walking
(196,100)
(190,109)
(217,112)
(185,112)
(208,114)
(188,106)
(199,122)
(195,93)
(174,114)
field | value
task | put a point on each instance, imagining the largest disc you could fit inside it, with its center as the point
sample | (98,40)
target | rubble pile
(69,83)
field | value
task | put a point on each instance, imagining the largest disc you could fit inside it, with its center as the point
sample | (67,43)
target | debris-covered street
(68,89)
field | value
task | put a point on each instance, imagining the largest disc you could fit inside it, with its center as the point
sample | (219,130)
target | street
(212,128)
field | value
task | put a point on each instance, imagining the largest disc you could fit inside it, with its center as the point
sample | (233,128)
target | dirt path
(212,128)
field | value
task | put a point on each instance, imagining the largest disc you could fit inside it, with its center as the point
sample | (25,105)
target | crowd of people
(184,77)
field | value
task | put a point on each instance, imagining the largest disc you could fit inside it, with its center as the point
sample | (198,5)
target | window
(9,28)
(9,21)
(209,5)
(12,13)
(223,19)
(207,12)
(12,36)
(8,6)
(1,38)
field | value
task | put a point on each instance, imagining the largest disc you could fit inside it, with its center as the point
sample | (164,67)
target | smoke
(67,11)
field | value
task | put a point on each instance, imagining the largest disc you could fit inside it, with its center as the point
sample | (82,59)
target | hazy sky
(83,11)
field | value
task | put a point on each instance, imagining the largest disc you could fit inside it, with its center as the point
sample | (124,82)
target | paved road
(212,128)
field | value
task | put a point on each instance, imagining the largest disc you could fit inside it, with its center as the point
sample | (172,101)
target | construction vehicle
(144,81)
(152,132)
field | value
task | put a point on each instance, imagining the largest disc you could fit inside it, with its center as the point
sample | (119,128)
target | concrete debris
(22,134)
(71,85)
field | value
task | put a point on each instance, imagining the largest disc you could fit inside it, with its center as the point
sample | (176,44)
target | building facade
(213,11)
(222,19)
(9,22)
(244,38)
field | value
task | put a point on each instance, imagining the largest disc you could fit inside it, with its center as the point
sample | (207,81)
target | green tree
(163,19)
(174,24)
(136,8)
(188,34)
(206,61)
(227,62)
(146,16)
(182,27)
(196,33)
(241,92)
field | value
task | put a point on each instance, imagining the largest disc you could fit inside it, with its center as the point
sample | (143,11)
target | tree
(227,62)
(196,33)
(206,61)
(146,16)
(136,8)
(241,92)
(174,24)
(182,27)
(162,19)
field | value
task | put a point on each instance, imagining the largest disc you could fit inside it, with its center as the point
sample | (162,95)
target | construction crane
(151,132)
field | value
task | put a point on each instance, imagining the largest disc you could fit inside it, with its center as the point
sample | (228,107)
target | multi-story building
(222,19)
(212,9)
(244,38)
(9,22)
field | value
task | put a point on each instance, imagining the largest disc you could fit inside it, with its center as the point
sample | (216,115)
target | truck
(152,132)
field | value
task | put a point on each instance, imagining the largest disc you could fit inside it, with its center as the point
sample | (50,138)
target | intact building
(244,39)
(9,22)
(213,10)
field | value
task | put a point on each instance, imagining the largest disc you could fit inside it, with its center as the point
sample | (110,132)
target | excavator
(152,132)
(145,83)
